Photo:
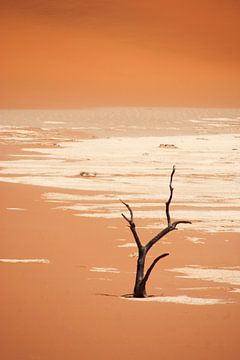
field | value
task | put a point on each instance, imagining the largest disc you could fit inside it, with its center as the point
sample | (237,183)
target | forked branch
(132,225)
(164,232)
(171,226)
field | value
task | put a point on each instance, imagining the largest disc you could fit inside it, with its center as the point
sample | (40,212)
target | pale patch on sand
(86,128)
(235,291)
(133,255)
(25,261)
(195,240)
(230,202)
(195,121)
(111,207)
(101,279)
(199,288)
(105,270)
(121,167)
(218,125)
(226,220)
(20,139)
(217,119)
(181,299)
(16,209)
(216,275)
(16,131)
(127,245)
(54,122)
(214,226)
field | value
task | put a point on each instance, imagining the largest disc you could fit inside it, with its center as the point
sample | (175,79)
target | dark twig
(156,238)
(132,225)
(174,225)
(130,211)
(170,197)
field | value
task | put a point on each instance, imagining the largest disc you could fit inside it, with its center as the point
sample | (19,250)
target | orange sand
(62,310)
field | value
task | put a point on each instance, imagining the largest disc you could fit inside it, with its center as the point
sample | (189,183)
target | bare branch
(158,237)
(132,225)
(164,232)
(180,222)
(170,197)
(145,279)
(129,209)
(124,216)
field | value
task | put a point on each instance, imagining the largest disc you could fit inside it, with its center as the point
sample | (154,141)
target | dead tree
(142,276)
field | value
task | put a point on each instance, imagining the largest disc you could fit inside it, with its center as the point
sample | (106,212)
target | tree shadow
(109,295)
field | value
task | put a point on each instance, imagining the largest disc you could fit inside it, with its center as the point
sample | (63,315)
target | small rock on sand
(168,146)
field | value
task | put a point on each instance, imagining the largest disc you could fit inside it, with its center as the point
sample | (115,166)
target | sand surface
(65,277)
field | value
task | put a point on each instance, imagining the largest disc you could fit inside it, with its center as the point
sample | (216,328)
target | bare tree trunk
(142,277)
(140,286)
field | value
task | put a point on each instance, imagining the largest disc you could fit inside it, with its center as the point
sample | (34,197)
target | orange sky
(64,54)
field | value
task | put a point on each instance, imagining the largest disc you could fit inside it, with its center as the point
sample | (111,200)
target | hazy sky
(57,53)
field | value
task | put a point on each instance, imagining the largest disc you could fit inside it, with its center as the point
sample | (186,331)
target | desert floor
(64,277)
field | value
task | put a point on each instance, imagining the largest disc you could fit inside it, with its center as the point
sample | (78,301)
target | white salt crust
(181,299)
(25,261)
